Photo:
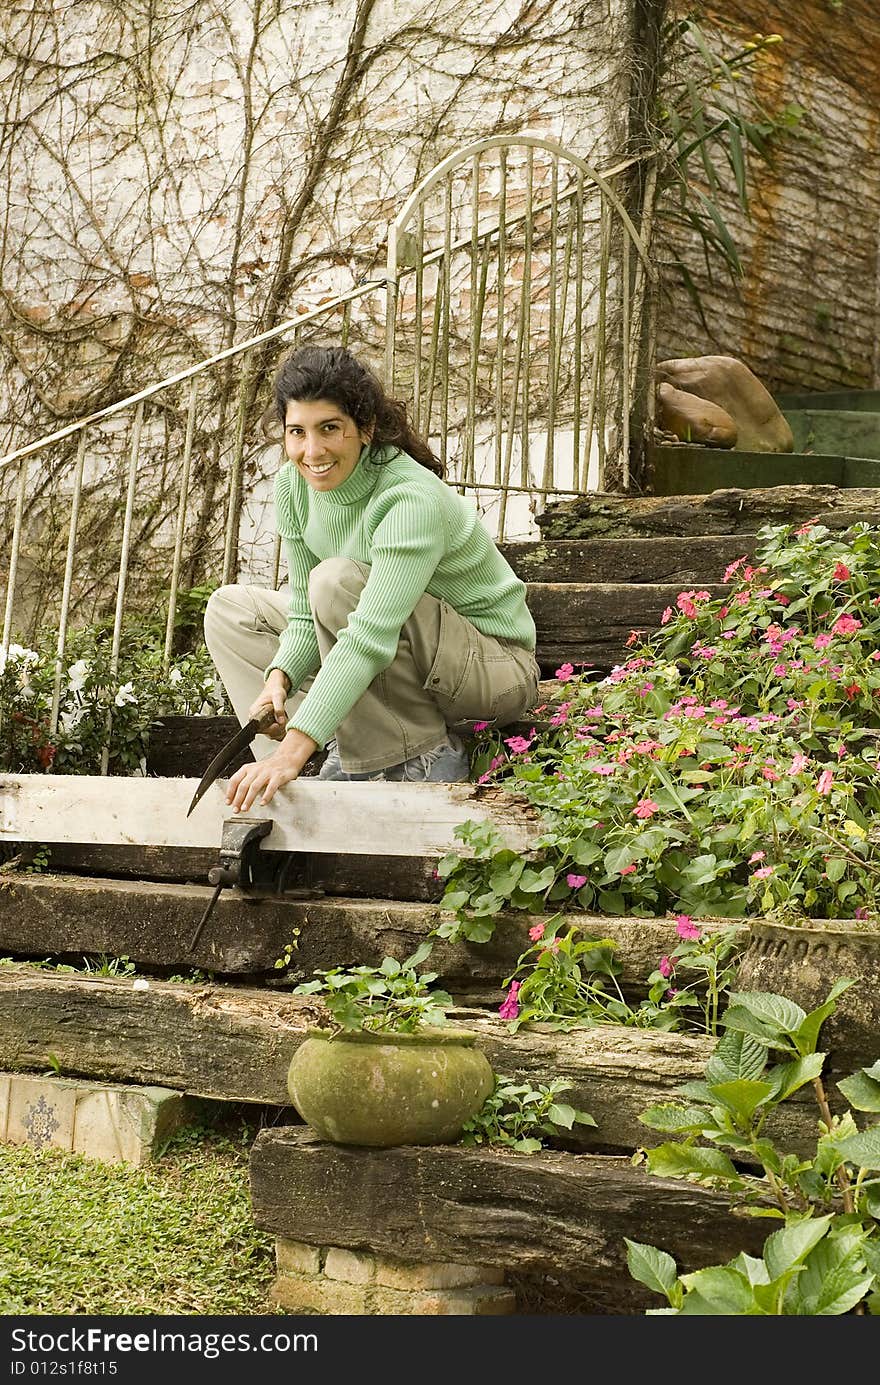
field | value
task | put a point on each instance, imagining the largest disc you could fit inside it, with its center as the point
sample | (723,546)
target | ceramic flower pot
(802,962)
(361,1088)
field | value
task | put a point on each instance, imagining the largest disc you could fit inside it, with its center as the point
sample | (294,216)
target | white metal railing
(553,303)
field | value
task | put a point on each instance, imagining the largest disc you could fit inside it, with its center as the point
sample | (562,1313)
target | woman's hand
(263,779)
(274,695)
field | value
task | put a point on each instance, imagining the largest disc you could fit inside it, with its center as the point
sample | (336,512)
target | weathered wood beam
(702,559)
(606,514)
(51,915)
(590,624)
(235,1043)
(308,815)
(563,1213)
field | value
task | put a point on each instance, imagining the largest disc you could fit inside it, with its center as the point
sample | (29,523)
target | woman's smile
(323,442)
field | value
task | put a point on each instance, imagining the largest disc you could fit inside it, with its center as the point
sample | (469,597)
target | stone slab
(116,1124)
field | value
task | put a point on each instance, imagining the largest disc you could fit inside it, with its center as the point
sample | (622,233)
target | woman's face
(323,443)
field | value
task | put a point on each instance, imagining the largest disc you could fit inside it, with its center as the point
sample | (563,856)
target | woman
(402,620)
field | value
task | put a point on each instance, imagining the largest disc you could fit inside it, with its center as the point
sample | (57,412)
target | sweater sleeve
(406,546)
(297,654)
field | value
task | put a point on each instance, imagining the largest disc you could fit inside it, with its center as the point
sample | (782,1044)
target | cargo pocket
(453,664)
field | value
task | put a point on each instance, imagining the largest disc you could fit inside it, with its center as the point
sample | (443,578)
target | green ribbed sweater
(418,535)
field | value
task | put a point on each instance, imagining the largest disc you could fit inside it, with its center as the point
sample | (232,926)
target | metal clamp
(238,859)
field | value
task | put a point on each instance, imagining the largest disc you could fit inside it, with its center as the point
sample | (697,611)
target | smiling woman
(402,625)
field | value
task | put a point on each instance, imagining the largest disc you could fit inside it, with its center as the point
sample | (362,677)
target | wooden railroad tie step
(235,1043)
(57,915)
(563,1213)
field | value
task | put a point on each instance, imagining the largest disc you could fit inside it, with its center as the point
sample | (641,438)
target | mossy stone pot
(362,1088)
(802,962)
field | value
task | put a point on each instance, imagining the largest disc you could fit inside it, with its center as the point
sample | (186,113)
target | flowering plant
(97,703)
(728,767)
(566,981)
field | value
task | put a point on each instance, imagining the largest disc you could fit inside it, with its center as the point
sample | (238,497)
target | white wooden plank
(376,819)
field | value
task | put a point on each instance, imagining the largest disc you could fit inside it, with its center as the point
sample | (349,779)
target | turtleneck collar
(359,484)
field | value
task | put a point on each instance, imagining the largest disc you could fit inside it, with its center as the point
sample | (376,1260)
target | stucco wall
(202,171)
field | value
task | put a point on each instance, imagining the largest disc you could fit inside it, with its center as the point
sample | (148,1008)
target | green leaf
(790,1246)
(722,1288)
(775,1011)
(742,1097)
(861,1091)
(422,952)
(789,1077)
(532,881)
(560,1114)
(676,1119)
(736,1056)
(651,1267)
(863,1149)
(676,1161)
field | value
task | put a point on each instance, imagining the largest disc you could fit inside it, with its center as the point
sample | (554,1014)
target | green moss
(173,1237)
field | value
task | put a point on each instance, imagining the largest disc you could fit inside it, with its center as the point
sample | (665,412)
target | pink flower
(805,528)
(537,932)
(519,744)
(645,808)
(846,625)
(824,782)
(685,929)
(564,672)
(822,641)
(666,616)
(509,1007)
(756,856)
(841,573)
(665,967)
(732,568)
(799,763)
(480,725)
(496,761)
(763,872)
(634,636)
(575,882)
(628,870)
(861,913)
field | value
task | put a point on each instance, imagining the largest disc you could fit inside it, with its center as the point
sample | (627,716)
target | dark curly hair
(332,372)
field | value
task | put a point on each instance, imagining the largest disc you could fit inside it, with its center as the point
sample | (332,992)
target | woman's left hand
(263,779)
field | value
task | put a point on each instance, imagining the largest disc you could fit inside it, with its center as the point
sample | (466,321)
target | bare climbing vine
(181,175)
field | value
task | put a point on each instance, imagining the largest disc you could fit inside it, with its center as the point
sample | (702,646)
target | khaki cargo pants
(446,673)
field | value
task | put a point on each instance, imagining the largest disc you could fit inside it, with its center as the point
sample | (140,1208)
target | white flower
(140,985)
(175,676)
(18,654)
(76,675)
(70,720)
(125,695)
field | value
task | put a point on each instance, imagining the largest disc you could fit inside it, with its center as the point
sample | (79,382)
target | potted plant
(382,1067)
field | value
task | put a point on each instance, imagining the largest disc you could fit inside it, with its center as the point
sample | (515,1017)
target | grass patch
(173,1237)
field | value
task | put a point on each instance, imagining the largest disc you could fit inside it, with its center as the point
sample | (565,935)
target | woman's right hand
(274,697)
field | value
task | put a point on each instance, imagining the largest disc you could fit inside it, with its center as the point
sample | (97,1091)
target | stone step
(153,924)
(116,1124)
(235,1043)
(561,1213)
